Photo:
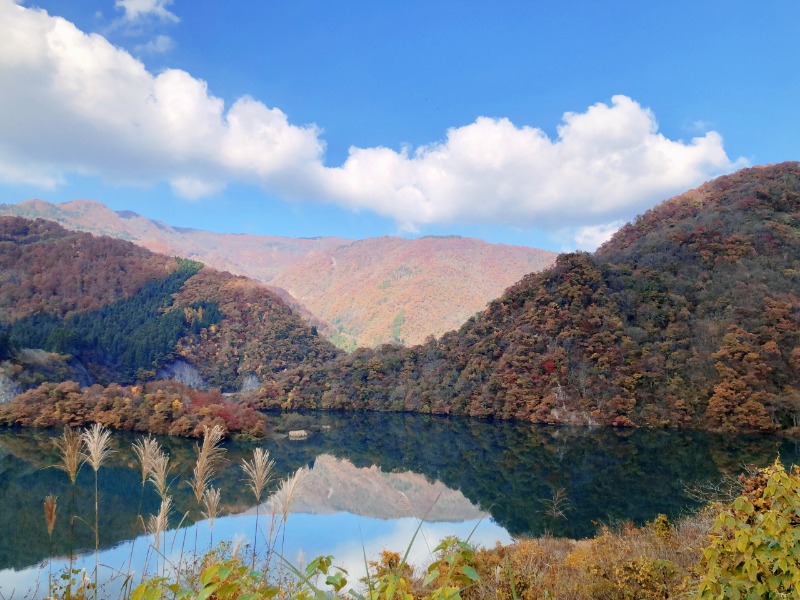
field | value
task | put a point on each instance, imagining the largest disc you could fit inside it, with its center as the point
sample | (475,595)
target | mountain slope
(397,290)
(363,293)
(256,256)
(108,311)
(689,316)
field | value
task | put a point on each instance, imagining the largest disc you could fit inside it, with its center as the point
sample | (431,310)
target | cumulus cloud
(605,162)
(135,10)
(73,102)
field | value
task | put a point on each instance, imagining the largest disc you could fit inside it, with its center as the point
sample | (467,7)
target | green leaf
(209,574)
(225,571)
(470,572)
(430,577)
(207,591)
(337,581)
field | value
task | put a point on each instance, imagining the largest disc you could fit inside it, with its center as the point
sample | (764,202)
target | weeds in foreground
(96,441)
(750,551)
(259,474)
(69,448)
(50,507)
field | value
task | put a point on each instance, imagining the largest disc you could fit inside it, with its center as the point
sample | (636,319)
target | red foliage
(163,407)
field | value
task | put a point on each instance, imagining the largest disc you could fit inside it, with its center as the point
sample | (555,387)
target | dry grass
(211,498)
(158,524)
(69,446)
(209,456)
(96,440)
(159,472)
(656,561)
(291,487)
(258,471)
(147,450)
(50,506)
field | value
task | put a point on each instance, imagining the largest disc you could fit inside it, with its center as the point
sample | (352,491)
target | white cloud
(609,161)
(136,10)
(72,102)
(591,237)
(158,45)
(194,189)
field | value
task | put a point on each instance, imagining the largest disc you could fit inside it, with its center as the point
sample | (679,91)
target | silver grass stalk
(158,524)
(96,440)
(209,456)
(289,490)
(69,447)
(50,506)
(211,499)
(283,499)
(258,471)
(259,474)
(159,471)
(146,449)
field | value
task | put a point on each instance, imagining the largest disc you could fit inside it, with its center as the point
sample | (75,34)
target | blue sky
(542,124)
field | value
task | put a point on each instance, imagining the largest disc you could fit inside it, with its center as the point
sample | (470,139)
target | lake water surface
(372,478)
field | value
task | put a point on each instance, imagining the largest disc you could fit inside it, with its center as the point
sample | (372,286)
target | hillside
(689,316)
(391,289)
(362,293)
(95,309)
(255,256)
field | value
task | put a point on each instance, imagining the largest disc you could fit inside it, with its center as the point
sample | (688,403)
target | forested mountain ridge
(95,309)
(689,316)
(362,293)
(256,256)
(397,290)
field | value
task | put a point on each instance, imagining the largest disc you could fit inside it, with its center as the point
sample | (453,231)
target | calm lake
(372,477)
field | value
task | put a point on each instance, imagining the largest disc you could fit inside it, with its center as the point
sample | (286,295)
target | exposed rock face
(183,372)
(8,389)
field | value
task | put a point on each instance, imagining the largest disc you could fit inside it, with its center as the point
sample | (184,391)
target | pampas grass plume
(258,471)
(50,513)
(96,441)
(69,446)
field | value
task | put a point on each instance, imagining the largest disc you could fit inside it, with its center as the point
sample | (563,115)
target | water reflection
(335,485)
(373,466)
(340,509)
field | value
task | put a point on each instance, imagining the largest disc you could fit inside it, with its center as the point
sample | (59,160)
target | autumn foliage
(161,407)
(107,311)
(689,316)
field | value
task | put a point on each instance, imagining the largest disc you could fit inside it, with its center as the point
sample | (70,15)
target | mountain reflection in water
(341,510)
(384,464)
(335,485)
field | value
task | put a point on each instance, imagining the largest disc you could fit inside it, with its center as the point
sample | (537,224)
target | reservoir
(369,481)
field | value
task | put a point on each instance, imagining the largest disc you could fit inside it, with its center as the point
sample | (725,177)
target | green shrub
(754,550)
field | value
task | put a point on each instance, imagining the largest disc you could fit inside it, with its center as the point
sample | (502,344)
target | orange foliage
(161,407)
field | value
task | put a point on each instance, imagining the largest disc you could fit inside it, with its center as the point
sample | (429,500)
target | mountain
(96,309)
(689,316)
(362,293)
(255,256)
(391,289)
